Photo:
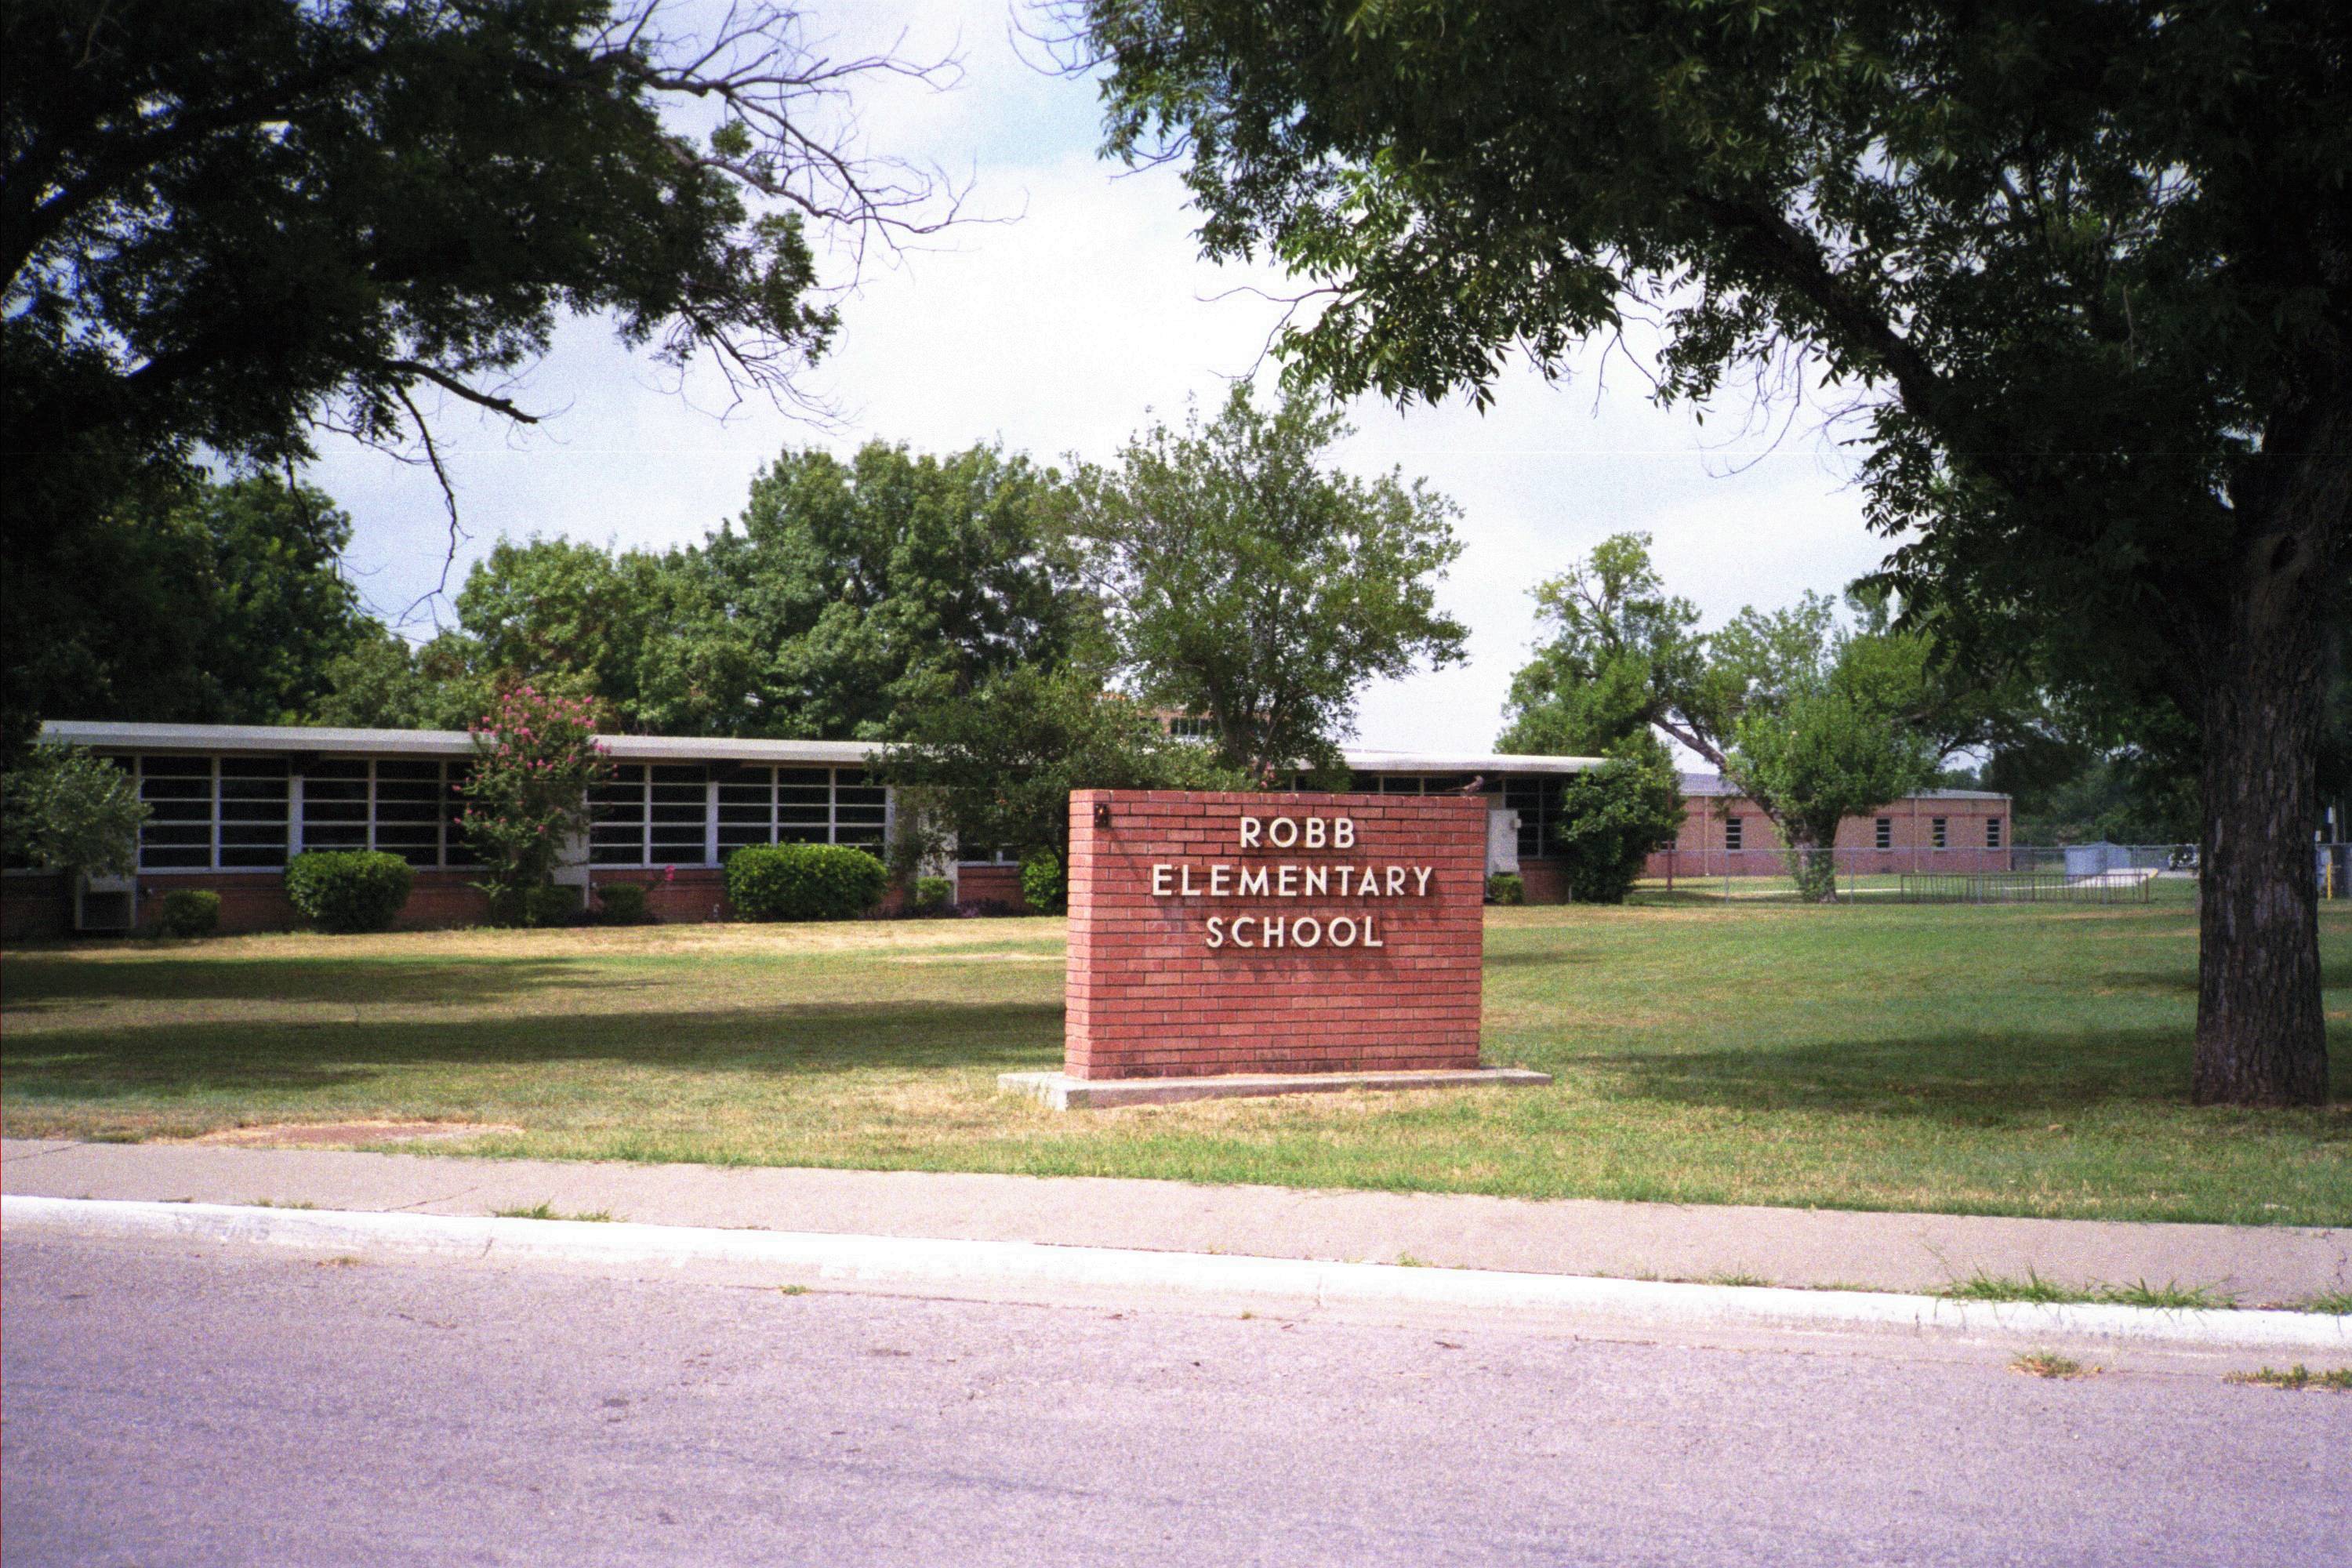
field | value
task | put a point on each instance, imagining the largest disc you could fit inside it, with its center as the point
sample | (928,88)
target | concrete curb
(990,1268)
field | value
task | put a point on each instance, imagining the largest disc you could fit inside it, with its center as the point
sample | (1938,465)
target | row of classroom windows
(1939,833)
(229,813)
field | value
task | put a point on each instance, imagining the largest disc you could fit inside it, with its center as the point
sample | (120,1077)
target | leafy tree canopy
(996,768)
(1247,584)
(215,602)
(859,592)
(226,227)
(65,809)
(1814,720)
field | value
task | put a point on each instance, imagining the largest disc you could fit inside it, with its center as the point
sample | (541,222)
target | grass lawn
(2024,1059)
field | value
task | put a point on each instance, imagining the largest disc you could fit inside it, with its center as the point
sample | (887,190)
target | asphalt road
(164,1407)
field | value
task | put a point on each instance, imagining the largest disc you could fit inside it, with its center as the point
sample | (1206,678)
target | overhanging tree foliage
(224,226)
(2088,265)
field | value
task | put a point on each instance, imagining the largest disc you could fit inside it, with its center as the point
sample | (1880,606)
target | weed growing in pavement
(343,1260)
(792,1290)
(2336,1303)
(1983,1287)
(2049,1363)
(1738,1279)
(2171,1294)
(1407,1261)
(549,1211)
(2336,1379)
(277,1204)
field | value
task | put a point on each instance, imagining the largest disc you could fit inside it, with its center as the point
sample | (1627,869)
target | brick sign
(1272,933)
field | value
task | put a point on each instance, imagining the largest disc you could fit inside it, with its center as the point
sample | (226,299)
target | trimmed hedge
(803,881)
(1506,887)
(931,895)
(348,890)
(1044,885)
(191,911)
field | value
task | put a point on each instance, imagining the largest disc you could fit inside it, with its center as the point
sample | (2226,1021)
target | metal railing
(2022,873)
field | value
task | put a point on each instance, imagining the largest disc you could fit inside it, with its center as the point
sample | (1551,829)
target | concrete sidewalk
(1898,1252)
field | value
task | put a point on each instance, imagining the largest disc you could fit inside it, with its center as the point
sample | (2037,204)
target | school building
(1725,834)
(230,804)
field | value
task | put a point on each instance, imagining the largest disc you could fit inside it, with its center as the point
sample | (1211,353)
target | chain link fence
(2023,873)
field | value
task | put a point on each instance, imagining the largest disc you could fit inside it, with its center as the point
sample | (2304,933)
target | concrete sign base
(1064,1092)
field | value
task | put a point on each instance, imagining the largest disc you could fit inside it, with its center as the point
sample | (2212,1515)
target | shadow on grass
(1958,1079)
(811,1039)
(35,986)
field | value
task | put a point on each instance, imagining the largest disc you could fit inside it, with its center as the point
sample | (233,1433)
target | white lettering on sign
(1292,879)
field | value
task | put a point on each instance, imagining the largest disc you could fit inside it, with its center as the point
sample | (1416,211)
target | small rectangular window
(1885,838)
(1992,832)
(1733,834)
(1939,832)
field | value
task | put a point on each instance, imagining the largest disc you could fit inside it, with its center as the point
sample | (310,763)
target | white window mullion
(293,813)
(710,817)
(833,805)
(645,818)
(216,812)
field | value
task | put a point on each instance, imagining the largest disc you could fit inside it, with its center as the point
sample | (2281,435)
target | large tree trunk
(2261,1031)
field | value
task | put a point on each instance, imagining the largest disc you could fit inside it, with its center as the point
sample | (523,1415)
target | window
(1885,834)
(1734,833)
(663,816)
(1411,783)
(1992,832)
(1537,800)
(1939,832)
(400,806)
(207,814)
(178,832)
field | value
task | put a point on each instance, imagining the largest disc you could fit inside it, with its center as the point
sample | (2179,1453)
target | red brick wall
(256,900)
(1544,881)
(981,880)
(1699,849)
(683,897)
(1147,997)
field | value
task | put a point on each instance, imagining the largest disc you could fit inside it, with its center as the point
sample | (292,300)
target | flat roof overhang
(267,738)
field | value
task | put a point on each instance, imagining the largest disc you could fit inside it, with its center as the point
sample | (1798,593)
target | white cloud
(1056,332)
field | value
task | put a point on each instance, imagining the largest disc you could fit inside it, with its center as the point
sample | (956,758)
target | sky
(1072,313)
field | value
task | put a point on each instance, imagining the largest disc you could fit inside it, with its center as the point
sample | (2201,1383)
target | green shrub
(348,890)
(1044,886)
(1505,887)
(552,904)
(548,904)
(191,911)
(803,881)
(1609,821)
(931,895)
(621,903)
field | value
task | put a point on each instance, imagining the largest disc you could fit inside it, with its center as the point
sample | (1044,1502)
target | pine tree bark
(2262,1028)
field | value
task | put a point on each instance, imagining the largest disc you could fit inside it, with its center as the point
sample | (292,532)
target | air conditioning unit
(105,906)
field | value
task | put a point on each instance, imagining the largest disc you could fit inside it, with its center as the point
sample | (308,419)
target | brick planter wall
(1148,998)
(979,880)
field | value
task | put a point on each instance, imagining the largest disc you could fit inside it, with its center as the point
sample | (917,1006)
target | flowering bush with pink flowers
(536,756)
